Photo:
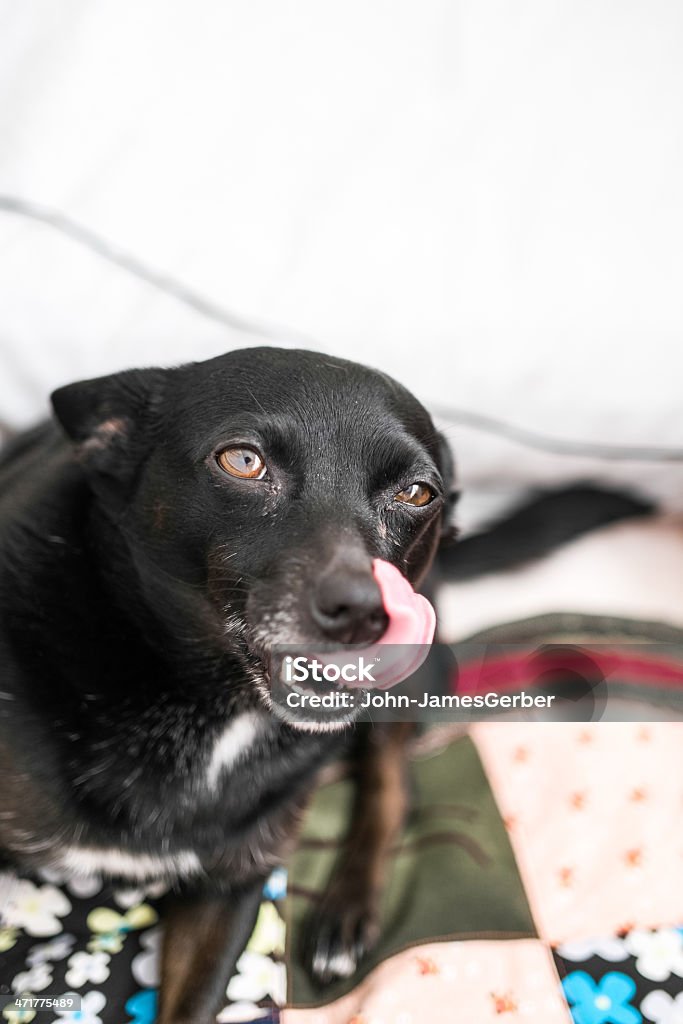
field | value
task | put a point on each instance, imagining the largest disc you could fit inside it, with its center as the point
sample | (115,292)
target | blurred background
(482,198)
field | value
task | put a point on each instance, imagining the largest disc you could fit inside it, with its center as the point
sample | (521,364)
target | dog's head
(252,491)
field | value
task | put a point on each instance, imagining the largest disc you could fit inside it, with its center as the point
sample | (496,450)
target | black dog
(152,551)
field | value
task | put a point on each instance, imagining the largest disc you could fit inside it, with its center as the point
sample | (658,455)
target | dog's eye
(416,494)
(246,463)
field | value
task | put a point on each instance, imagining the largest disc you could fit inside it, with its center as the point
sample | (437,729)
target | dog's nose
(347,606)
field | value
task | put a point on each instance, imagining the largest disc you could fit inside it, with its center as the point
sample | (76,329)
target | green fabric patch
(453,875)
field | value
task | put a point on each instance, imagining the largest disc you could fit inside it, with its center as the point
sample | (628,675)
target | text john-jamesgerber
(369,699)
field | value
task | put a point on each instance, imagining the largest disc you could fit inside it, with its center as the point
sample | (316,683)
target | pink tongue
(411,616)
(412,622)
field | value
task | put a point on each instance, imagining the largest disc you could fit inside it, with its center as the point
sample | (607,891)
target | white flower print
(236,1013)
(127,898)
(34,980)
(58,949)
(610,948)
(83,886)
(84,967)
(36,909)
(145,966)
(91,1004)
(659,954)
(662,1008)
(258,977)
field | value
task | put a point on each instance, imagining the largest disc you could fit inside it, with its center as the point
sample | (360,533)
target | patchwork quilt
(539,878)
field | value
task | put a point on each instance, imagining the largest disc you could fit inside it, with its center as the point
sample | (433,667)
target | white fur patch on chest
(92,860)
(233,744)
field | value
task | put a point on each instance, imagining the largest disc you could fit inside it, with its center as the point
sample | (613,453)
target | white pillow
(481,198)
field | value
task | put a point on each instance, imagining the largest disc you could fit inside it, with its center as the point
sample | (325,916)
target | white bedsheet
(482,198)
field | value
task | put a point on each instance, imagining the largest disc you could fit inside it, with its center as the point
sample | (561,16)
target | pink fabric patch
(476,982)
(595,817)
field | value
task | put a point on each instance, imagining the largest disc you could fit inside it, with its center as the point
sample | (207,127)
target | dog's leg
(204,936)
(347,923)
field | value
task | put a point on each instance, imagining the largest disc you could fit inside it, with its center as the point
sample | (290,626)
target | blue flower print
(601,1002)
(142,1007)
(276,886)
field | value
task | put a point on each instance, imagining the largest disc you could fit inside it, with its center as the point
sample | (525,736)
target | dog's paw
(340,938)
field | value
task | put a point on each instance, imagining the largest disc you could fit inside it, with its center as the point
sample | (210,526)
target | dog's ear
(446,463)
(110,418)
